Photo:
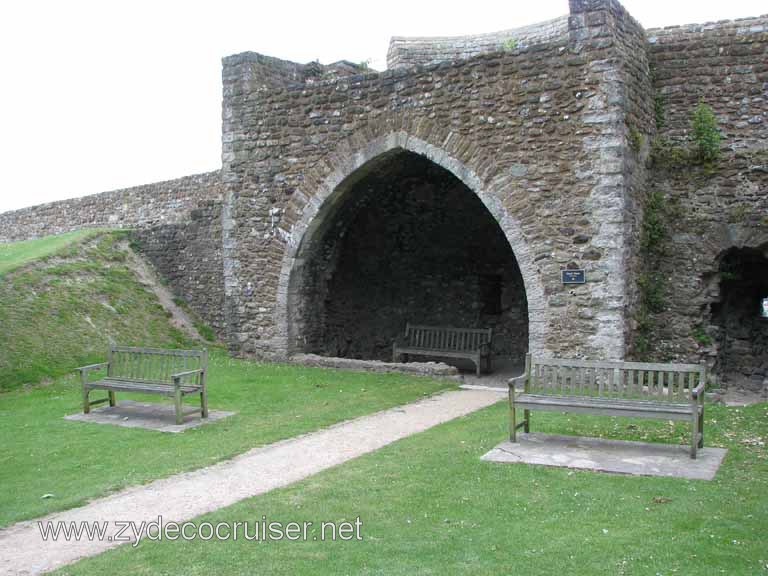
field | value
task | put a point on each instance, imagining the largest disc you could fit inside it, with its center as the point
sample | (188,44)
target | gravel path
(185,496)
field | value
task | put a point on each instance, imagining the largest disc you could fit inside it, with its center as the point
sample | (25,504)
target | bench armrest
(513,382)
(179,375)
(187,373)
(85,369)
(696,392)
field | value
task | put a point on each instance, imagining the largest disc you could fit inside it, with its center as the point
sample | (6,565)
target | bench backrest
(154,364)
(447,338)
(630,380)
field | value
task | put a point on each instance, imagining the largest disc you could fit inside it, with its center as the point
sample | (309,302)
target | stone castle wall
(410,51)
(536,133)
(626,83)
(188,256)
(168,202)
(708,211)
(554,127)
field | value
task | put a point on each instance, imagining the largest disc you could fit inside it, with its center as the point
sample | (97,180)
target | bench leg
(701,428)
(86,402)
(527,417)
(112,399)
(177,405)
(694,434)
(512,422)
(204,403)
(478,363)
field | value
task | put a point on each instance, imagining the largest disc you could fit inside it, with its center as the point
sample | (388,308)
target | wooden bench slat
(433,352)
(605,409)
(627,383)
(560,379)
(159,351)
(637,382)
(655,366)
(567,400)
(141,386)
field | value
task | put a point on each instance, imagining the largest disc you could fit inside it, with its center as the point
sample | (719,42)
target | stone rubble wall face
(188,256)
(726,65)
(404,51)
(168,202)
(639,125)
(626,86)
(541,128)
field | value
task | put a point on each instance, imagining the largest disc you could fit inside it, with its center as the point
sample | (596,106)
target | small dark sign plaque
(574,276)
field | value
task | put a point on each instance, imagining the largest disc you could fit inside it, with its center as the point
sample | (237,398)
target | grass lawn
(429,506)
(15,254)
(77,461)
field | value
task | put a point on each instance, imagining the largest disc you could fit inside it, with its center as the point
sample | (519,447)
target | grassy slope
(77,461)
(61,310)
(430,506)
(15,254)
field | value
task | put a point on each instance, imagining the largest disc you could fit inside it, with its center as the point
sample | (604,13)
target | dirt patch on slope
(147,276)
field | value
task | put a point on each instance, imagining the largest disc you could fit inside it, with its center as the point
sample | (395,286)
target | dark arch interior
(742,331)
(407,242)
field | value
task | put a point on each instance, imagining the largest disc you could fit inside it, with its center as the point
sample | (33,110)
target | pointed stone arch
(319,205)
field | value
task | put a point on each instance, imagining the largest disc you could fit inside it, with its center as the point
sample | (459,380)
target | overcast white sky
(103,95)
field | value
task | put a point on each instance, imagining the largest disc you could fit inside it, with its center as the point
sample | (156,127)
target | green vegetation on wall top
(510,44)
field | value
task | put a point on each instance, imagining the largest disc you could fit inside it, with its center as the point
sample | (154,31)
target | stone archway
(321,207)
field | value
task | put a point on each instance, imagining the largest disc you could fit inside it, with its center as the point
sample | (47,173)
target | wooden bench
(174,373)
(637,389)
(471,343)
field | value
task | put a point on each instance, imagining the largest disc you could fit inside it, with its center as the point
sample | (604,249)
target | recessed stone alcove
(741,331)
(409,242)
